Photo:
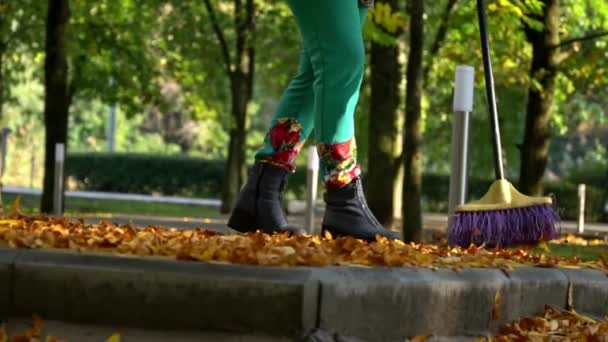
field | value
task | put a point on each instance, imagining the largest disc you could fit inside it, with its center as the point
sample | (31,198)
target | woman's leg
(331,30)
(259,203)
(293,120)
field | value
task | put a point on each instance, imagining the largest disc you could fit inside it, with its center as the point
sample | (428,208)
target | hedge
(183,176)
(145,174)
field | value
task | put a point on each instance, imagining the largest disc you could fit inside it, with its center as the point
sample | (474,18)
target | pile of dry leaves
(555,325)
(34,334)
(262,249)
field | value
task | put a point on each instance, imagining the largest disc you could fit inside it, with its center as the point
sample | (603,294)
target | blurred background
(172,99)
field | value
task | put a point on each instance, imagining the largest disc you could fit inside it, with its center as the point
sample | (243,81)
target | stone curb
(164,294)
(7,258)
(372,304)
(588,291)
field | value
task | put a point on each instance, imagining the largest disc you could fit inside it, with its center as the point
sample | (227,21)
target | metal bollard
(3,149)
(112,128)
(581,208)
(312,181)
(58,189)
(462,106)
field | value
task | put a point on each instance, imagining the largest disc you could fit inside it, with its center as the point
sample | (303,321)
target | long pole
(490,89)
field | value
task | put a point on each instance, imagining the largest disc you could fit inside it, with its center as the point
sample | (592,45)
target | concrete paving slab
(589,291)
(7,256)
(390,304)
(529,289)
(160,293)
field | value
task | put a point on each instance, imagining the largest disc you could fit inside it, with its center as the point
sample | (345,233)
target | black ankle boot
(347,213)
(259,204)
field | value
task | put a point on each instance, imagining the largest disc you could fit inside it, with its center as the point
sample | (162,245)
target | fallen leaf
(53,339)
(36,326)
(544,247)
(114,338)
(553,325)
(603,260)
(3,337)
(421,338)
(496,306)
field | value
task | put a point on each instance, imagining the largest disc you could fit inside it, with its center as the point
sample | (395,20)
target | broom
(503,216)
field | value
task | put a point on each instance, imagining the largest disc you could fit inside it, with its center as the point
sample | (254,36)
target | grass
(585,253)
(31,204)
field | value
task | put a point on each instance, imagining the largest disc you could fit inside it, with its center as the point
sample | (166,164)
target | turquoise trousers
(324,93)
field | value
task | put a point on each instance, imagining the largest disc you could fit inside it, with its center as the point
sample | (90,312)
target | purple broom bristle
(507,227)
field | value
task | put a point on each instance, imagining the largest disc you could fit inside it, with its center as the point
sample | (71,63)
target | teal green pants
(324,93)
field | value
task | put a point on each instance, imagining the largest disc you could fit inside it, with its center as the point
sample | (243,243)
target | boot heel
(242,221)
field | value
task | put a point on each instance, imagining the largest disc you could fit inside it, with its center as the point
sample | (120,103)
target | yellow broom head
(503,195)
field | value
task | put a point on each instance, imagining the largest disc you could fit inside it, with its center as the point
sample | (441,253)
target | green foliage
(112,56)
(144,46)
(384,24)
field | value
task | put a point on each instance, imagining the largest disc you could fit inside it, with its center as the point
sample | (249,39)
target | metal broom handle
(490,92)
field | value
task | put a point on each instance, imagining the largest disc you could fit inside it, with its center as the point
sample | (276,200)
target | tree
(546,60)
(240,68)
(412,180)
(19,24)
(384,148)
(56,98)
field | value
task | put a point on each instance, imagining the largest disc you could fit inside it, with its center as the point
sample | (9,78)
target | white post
(462,106)
(32,169)
(58,190)
(312,180)
(5,132)
(112,129)
(581,208)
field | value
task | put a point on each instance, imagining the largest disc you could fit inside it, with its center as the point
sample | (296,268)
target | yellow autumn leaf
(3,336)
(114,338)
(421,338)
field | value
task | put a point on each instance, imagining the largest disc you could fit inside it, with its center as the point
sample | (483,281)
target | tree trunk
(56,98)
(384,146)
(2,51)
(535,146)
(241,83)
(236,167)
(412,153)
